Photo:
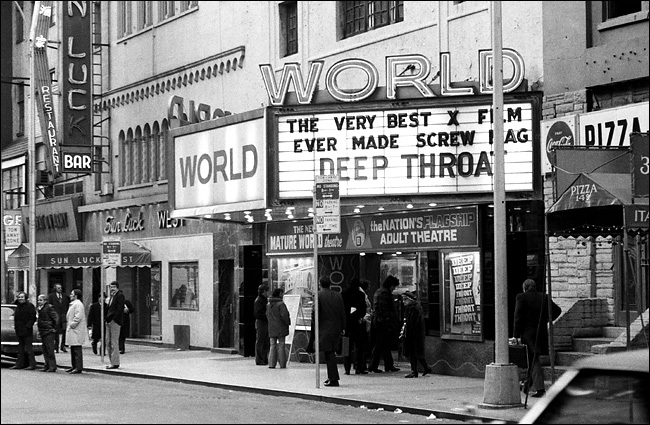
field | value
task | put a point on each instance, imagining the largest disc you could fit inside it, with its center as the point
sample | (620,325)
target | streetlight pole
(31,154)
(501,387)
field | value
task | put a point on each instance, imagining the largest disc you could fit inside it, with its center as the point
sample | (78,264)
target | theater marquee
(419,151)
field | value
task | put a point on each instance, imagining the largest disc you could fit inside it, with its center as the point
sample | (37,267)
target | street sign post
(111,253)
(327,204)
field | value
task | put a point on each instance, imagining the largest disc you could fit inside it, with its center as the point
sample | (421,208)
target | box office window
(183,286)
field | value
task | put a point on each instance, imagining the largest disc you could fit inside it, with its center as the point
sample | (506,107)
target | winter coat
(531,320)
(353,297)
(24,318)
(414,329)
(385,314)
(278,317)
(47,320)
(77,330)
(61,308)
(115,311)
(331,319)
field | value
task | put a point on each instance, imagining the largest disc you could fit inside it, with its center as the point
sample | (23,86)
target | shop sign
(128,223)
(56,221)
(221,167)
(42,80)
(395,77)
(612,127)
(429,150)
(555,133)
(462,295)
(165,221)
(637,216)
(76,84)
(13,237)
(433,229)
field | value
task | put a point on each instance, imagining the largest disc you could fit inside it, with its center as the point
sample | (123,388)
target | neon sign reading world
(421,66)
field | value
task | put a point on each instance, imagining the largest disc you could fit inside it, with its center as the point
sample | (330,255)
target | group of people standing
(272,322)
(61,322)
(372,328)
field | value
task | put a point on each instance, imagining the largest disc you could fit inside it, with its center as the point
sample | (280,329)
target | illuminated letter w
(291,71)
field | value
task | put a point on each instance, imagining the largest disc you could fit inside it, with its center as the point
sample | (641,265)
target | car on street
(607,388)
(9,338)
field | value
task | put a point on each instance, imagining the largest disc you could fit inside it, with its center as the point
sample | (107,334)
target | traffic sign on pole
(327,204)
(111,253)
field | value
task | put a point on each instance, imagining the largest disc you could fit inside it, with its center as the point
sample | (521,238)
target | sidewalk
(449,397)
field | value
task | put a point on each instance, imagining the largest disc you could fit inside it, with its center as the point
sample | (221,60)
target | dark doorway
(252,279)
(226,304)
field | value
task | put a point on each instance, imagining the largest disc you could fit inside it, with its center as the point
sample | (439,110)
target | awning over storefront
(56,255)
(598,203)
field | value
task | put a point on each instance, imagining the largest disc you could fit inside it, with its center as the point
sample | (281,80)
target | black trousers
(358,350)
(25,352)
(381,350)
(262,343)
(49,343)
(77,357)
(332,367)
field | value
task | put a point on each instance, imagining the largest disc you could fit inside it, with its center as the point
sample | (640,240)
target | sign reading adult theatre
(437,228)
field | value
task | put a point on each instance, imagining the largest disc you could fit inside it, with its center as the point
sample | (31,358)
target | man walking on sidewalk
(114,317)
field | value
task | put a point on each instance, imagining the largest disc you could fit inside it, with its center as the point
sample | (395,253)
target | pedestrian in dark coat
(331,325)
(95,323)
(24,319)
(60,301)
(125,329)
(531,320)
(385,324)
(47,321)
(279,322)
(262,341)
(355,311)
(413,334)
(113,319)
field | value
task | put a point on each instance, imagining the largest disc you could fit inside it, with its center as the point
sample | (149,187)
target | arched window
(146,155)
(137,156)
(163,151)
(122,163)
(128,158)
(155,152)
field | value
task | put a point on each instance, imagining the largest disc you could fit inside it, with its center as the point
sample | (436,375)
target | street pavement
(448,397)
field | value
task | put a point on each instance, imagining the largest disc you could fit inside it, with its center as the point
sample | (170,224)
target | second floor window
(614,9)
(20,101)
(364,16)
(288,28)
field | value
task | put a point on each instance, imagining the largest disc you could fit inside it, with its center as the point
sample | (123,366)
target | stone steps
(586,345)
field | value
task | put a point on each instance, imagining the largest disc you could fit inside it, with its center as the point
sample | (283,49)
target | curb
(309,397)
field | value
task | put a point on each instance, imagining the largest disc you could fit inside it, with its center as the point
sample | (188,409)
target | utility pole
(31,155)
(501,387)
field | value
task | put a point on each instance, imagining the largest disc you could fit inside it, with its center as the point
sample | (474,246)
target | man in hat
(413,333)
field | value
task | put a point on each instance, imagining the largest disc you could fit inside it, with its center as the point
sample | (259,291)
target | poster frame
(444,333)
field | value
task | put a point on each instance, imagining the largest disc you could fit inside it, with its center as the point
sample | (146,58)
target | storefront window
(296,276)
(183,286)
(462,295)
(403,267)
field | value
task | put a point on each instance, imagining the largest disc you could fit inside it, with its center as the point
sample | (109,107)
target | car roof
(636,360)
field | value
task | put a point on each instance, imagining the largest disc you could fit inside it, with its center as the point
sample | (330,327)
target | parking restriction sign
(328,204)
